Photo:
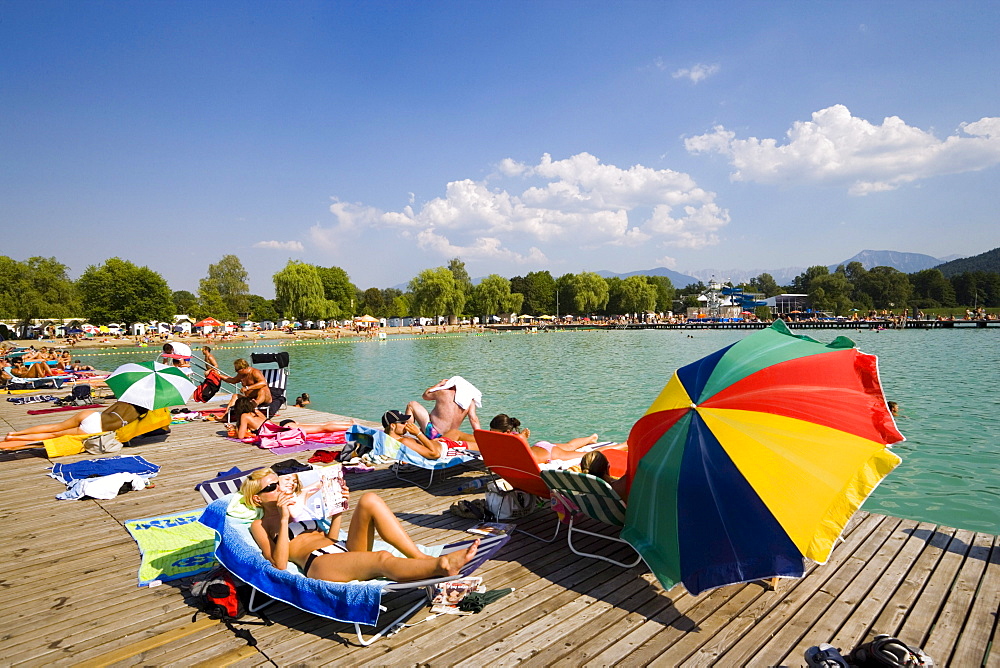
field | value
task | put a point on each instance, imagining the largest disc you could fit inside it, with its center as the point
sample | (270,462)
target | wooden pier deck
(69,595)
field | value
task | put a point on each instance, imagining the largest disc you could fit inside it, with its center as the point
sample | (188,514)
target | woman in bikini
(249,419)
(322,556)
(543,451)
(115,416)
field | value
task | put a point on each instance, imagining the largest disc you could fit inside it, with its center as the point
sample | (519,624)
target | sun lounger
(389,447)
(595,499)
(357,603)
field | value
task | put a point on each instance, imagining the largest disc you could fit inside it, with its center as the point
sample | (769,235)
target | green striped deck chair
(595,499)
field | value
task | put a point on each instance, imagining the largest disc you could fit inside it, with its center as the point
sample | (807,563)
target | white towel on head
(465,392)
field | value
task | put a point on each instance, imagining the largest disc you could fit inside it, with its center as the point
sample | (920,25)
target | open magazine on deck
(324,490)
(492,528)
(450,594)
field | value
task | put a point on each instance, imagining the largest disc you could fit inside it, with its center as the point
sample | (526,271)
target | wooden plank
(868,592)
(926,609)
(954,614)
(974,642)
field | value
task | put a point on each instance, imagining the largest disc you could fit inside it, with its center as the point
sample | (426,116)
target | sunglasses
(269,488)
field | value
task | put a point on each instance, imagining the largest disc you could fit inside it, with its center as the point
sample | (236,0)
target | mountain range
(904,262)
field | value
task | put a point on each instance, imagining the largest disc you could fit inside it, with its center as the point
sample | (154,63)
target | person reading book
(542,451)
(322,556)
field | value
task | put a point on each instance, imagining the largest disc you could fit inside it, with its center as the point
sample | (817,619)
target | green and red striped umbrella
(754,458)
(150,385)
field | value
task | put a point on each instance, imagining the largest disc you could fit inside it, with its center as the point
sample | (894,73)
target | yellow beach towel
(62,446)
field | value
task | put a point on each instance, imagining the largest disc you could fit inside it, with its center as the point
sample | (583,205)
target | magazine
(492,528)
(450,594)
(324,491)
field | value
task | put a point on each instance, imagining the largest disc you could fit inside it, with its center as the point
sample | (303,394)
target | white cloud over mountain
(836,147)
(578,200)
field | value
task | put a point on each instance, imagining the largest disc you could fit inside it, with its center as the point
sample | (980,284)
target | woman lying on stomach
(321,556)
(249,419)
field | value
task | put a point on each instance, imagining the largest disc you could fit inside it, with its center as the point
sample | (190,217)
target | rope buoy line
(271,343)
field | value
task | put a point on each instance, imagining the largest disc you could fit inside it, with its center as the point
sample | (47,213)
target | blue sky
(387,138)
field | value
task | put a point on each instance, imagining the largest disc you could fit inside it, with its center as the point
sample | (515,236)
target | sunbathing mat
(172,546)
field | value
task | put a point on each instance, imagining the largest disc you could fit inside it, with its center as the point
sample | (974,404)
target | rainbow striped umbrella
(754,458)
(150,385)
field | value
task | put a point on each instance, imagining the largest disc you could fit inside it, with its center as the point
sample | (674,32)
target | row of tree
(121,292)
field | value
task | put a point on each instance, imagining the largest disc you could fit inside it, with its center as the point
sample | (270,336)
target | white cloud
(294,246)
(577,201)
(838,148)
(667,261)
(696,73)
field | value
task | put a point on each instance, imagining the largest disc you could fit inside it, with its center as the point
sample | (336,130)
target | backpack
(79,396)
(204,392)
(358,445)
(884,651)
(504,502)
(217,596)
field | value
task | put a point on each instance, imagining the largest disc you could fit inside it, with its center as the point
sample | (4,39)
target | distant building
(788,303)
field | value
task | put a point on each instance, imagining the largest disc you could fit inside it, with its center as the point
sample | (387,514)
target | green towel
(172,546)
(475,602)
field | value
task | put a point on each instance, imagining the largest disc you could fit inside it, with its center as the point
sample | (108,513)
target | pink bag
(273,436)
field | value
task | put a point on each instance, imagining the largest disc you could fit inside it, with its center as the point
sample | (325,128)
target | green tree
(401,306)
(436,292)
(564,294)
(373,303)
(493,295)
(228,279)
(801,283)
(931,289)
(211,304)
(262,308)
(120,292)
(590,292)
(977,288)
(887,288)
(338,289)
(664,293)
(539,290)
(298,292)
(638,295)
(457,269)
(831,292)
(39,287)
(765,284)
(185,302)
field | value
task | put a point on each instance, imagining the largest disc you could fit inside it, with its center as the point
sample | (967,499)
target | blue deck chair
(387,447)
(357,603)
(595,499)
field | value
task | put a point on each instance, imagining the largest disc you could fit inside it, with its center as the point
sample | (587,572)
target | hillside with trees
(988,262)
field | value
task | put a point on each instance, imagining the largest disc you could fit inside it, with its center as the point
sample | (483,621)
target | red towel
(43,411)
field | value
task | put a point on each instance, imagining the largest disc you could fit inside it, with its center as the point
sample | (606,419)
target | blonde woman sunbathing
(321,556)
(543,451)
(115,416)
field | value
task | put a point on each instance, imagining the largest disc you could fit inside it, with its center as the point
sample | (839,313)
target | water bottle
(476,483)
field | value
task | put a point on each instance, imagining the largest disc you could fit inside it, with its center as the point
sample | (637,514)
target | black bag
(357,446)
(218,597)
(884,651)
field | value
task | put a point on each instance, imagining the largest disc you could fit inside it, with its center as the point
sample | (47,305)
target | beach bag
(504,502)
(204,392)
(884,651)
(99,444)
(218,597)
(272,436)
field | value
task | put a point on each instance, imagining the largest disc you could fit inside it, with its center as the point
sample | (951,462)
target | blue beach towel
(89,468)
(352,602)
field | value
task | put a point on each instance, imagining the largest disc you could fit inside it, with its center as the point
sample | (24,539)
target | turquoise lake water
(566,384)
